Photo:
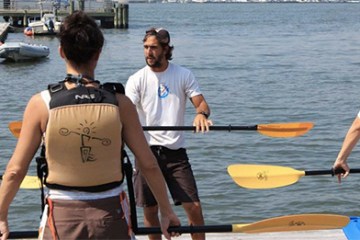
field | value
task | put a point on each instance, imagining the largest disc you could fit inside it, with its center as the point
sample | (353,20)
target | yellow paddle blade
(15,128)
(301,222)
(30,182)
(263,176)
(283,130)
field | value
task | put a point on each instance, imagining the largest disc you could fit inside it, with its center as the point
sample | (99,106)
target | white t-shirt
(160,99)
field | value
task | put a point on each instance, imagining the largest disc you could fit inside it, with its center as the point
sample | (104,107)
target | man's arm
(201,121)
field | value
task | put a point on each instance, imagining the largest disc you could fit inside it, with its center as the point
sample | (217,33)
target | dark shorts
(95,219)
(178,175)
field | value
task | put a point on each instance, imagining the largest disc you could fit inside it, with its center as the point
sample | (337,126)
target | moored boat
(48,25)
(17,51)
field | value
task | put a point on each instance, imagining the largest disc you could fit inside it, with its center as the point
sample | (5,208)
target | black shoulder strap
(113,87)
(128,169)
(56,87)
(42,172)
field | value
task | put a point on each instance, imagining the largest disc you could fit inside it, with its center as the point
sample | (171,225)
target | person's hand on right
(170,220)
(341,165)
(4,230)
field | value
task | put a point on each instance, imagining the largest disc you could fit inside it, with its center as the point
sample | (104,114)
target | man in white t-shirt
(160,91)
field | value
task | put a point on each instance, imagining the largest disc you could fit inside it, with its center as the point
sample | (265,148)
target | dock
(108,13)
(4,27)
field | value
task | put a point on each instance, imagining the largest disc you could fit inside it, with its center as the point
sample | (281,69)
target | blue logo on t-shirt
(163,91)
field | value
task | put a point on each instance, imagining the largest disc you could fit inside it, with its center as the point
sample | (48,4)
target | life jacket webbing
(128,169)
(41,168)
(51,222)
(43,222)
(126,211)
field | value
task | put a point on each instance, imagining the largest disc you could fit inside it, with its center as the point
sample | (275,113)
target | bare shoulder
(37,104)
(124,102)
(36,111)
(36,99)
(127,110)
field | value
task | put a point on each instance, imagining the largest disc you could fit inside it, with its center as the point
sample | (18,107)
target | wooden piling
(72,6)
(124,15)
(25,19)
(116,17)
(81,5)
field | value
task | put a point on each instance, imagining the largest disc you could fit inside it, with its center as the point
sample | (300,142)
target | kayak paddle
(268,176)
(29,182)
(301,222)
(280,130)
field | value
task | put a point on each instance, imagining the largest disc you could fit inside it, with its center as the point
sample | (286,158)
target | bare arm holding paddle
(350,141)
(25,150)
(201,121)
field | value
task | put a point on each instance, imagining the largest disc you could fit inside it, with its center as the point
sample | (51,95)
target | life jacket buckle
(53,88)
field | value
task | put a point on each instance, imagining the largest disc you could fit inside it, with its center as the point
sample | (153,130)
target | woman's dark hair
(80,37)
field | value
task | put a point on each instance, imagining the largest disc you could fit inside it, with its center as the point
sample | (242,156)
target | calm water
(256,63)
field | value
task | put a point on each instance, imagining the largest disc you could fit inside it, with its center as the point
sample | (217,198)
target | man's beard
(156,62)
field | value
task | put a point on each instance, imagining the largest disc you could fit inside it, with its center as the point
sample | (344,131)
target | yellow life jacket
(83,139)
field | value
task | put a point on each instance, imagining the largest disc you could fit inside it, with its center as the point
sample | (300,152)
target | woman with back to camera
(84,127)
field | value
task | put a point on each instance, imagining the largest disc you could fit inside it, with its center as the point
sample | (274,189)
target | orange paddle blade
(15,128)
(282,130)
